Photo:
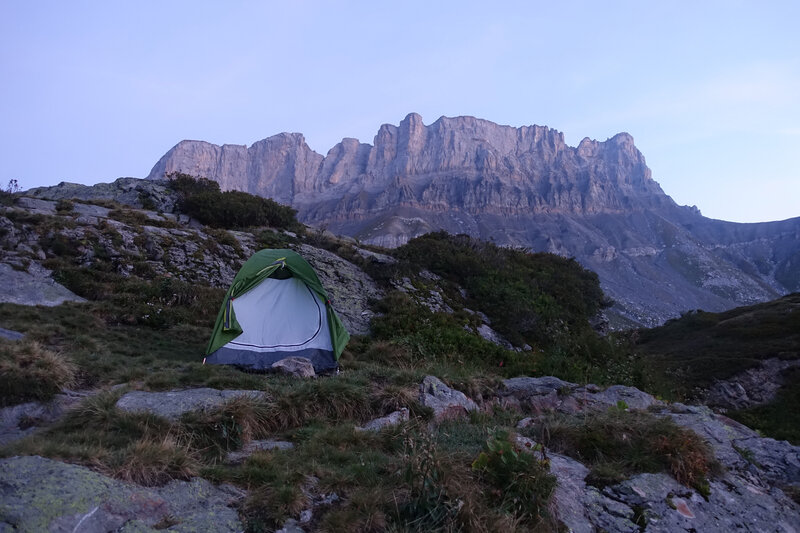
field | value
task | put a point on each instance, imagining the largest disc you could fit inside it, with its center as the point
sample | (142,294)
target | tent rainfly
(276,308)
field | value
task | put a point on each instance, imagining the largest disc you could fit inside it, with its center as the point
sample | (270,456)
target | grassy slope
(692,351)
(686,355)
(401,478)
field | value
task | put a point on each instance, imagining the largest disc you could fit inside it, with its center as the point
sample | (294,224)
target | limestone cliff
(520,187)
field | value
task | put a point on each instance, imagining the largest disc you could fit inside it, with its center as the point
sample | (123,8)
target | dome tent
(275,308)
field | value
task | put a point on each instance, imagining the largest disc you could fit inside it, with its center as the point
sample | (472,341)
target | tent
(275,308)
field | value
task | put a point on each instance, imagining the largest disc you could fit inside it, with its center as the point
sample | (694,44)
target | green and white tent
(276,308)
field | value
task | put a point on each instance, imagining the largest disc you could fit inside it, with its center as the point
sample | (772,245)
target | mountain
(519,187)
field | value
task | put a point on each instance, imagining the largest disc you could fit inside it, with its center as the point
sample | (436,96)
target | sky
(710,90)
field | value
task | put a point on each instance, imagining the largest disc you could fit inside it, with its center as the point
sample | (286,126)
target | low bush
(202,199)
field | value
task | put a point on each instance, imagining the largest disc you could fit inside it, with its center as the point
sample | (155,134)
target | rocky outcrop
(300,367)
(754,386)
(349,288)
(519,187)
(73,498)
(33,286)
(143,194)
(746,495)
(445,402)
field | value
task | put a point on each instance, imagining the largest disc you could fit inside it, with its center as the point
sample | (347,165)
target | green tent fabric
(275,264)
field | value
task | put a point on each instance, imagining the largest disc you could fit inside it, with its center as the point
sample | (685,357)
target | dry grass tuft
(156,462)
(29,371)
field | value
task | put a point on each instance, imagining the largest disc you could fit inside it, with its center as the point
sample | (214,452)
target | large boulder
(38,494)
(33,286)
(350,289)
(173,404)
(445,402)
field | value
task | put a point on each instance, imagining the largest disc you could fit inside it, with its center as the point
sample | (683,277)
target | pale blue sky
(710,90)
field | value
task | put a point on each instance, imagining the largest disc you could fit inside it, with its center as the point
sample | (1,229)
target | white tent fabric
(281,316)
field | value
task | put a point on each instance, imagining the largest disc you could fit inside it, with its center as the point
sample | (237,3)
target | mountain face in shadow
(520,187)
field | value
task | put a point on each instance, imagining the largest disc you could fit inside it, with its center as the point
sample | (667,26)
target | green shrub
(201,198)
(521,483)
(538,298)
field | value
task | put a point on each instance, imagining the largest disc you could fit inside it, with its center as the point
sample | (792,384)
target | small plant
(428,507)
(521,482)
(64,206)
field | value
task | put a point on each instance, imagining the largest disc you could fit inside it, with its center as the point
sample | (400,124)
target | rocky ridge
(518,187)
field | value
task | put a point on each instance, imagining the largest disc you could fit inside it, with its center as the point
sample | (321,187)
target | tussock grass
(29,371)
(616,444)
(216,432)
(153,462)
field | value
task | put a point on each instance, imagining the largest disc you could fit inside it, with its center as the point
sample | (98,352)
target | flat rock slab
(38,494)
(173,404)
(254,446)
(33,287)
(18,421)
(10,334)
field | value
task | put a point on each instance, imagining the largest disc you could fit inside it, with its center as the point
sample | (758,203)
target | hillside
(522,187)
(475,395)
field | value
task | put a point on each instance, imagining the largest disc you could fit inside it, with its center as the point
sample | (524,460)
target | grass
(150,331)
(687,354)
(618,443)
(29,371)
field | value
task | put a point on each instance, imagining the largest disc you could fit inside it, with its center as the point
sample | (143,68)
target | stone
(445,402)
(300,367)
(485,331)
(18,421)
(239,456)
(11,334)
(173,404)
(349,288)
(755,386)
(38,494)
(33,287)
(391,419)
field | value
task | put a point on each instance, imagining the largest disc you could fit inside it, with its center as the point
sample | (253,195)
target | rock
(11,334)
(392,419)
(485,331)
(376,257)
(239,456)
(550,393)
(133,192)
(171,405)
(300,367)
(290,526)
(38,494)
(349,288)
(18,421)
(754,386)
(445,402)
(33,287)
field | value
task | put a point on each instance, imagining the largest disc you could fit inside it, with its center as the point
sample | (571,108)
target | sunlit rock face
(518,187)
